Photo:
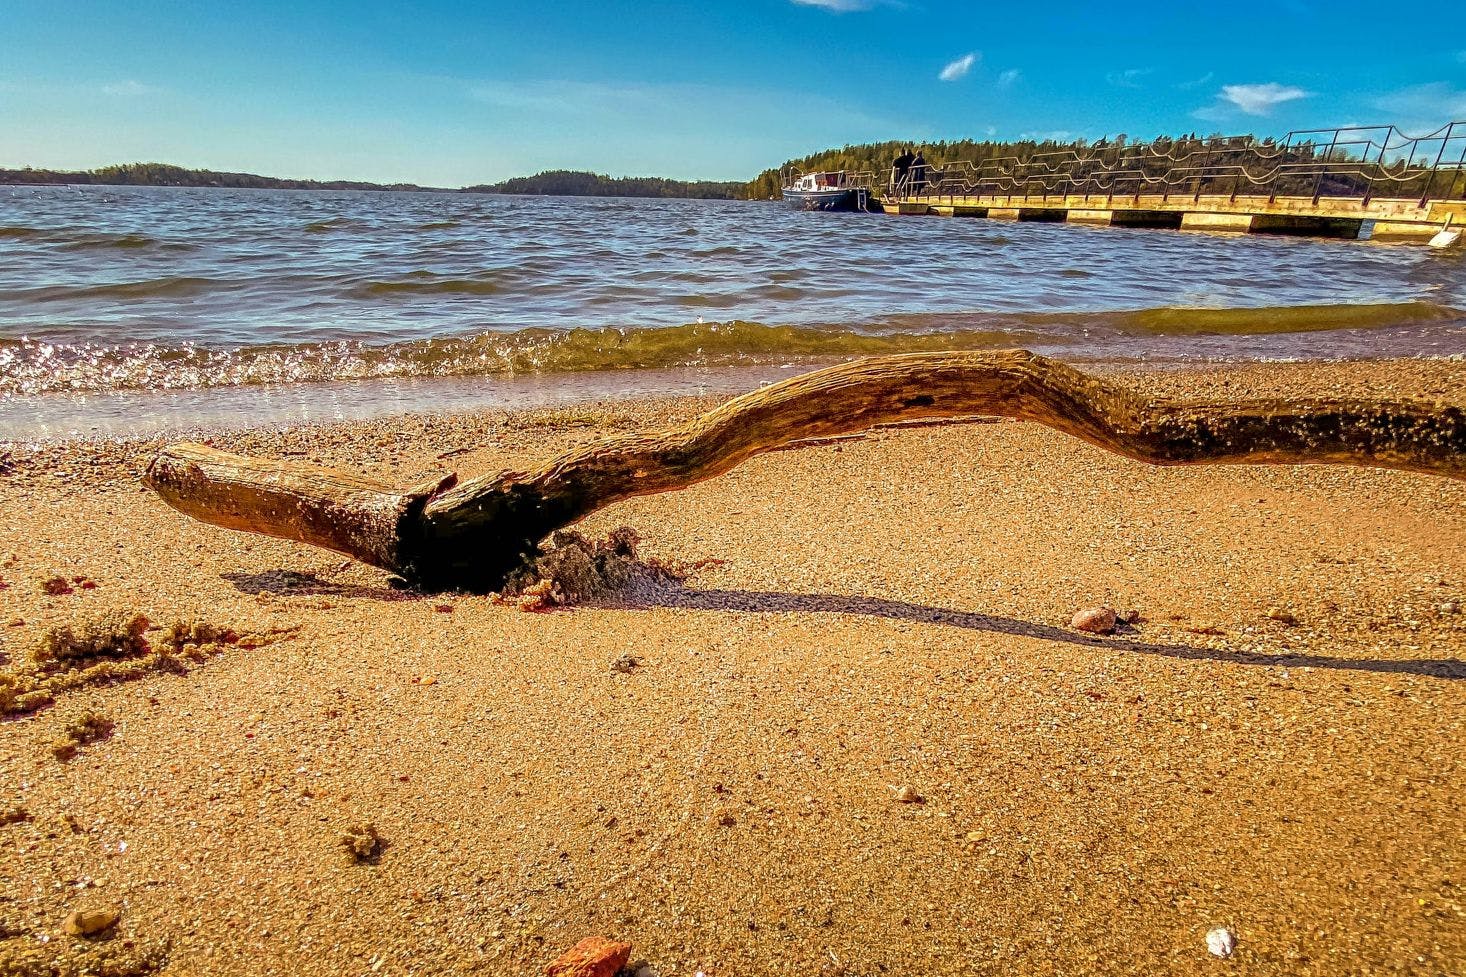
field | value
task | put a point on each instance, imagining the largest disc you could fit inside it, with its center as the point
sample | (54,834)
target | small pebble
(1281,615)
(594,956)
(1220,942)
(905,795)
(1450,607)
(89,922)
(625,664)
(1095,620)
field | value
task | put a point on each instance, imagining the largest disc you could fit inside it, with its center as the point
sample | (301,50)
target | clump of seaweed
(573,569)
(362,842)
(194,639)
(86,729)
(113,635)
(56,586)
(19,694)
(113,647)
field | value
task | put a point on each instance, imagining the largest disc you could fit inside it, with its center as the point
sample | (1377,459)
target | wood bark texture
(470,535)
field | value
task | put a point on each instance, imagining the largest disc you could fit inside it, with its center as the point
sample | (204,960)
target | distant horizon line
(204,172)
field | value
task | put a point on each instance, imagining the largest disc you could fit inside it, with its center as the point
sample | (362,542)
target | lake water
(132,309)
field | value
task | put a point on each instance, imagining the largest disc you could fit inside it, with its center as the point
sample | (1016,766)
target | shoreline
(127,415)
(887,611)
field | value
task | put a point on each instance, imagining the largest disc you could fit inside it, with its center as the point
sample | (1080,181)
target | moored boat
(825,191)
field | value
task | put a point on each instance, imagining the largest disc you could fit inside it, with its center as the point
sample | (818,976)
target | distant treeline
(167,175)
(555,183)
(578,183)
(877,157)
(1221,155)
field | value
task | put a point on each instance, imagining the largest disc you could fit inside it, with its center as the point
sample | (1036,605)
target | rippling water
(117,289)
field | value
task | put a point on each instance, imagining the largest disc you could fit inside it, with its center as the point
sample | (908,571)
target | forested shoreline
(1226,157)
(168,175)
(581,183)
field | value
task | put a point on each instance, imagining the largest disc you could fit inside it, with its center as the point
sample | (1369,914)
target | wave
(84,240)
(171,287)
(426,283)
(333,224)
(31,366)
(1280,319)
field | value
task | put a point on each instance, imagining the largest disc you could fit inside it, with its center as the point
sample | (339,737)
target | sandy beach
(885,612)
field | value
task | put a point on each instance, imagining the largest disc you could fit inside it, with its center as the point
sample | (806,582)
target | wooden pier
(1379,219)
(1356,182)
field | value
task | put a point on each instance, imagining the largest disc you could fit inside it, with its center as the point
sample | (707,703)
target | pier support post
(1197,221)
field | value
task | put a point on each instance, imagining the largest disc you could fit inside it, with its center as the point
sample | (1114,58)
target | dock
(1358,182)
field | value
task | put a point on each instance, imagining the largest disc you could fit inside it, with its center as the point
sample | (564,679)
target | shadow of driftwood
(690,598)
(292,583)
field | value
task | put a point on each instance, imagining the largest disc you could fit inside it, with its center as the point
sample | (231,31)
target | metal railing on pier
(1360,162)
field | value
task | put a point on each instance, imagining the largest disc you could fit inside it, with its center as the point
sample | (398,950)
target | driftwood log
(444,534)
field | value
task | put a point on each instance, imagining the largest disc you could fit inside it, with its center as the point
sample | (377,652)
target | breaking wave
(31,366)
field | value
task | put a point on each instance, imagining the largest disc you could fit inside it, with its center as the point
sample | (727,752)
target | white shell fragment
(1221,942)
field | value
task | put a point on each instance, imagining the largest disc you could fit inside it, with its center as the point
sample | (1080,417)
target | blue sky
(451,93)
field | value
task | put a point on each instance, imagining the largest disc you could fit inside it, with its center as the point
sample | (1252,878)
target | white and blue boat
(826,191)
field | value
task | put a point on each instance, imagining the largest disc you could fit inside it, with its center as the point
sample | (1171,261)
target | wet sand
(878,613)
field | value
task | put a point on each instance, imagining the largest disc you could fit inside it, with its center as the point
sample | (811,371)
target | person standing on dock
(900,170)
(918,173)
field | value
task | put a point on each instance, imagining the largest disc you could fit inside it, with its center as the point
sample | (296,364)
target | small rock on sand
(1095,620)
(625,664)
(1220,942)
(1282,615)
(362,842)
(594,956)
(906,795)
(90,922)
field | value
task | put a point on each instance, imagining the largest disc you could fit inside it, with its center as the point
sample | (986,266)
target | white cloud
(1129,78)
(838,6)
(128,88)
(1197,82)
(1009,77)
(1261,99)
(959,68)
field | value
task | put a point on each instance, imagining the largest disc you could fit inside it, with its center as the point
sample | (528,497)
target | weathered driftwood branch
(448,535)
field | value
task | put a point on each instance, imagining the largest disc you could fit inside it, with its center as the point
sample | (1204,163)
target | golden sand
(883,613)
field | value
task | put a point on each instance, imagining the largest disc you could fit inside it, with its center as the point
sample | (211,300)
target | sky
(451,93)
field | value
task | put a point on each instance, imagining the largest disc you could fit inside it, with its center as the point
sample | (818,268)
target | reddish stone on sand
(1095,620)
(594,956)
